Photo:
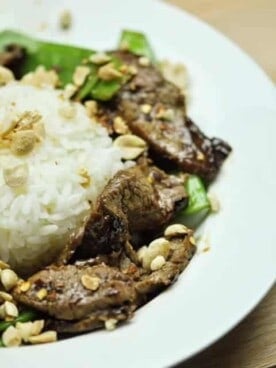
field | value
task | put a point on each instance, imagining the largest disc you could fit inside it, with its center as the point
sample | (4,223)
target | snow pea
(63,58)
(137,43)
(198,203)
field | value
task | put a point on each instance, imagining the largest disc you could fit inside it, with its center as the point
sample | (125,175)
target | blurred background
(252,25)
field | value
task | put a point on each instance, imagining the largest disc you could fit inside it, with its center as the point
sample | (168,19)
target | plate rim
(248,309)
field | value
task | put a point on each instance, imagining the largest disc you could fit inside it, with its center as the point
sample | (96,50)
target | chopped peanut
(85,177)
(120,126)
(16,177)
(41,294)
(2,311)
(132,70)
(69,91)
(6,75)
(37,327)
(47,336)
(23,142)
(25,286)
(175,73)
(100,58)
(146,108)
(3,265)
(108,72)
(91,108)
(131,146)
(110,324)
(166,114)
(25,329)
(215,204)
(27,120)
(11,337)
(200,156)
(144,61)
(176,230)
(10,309)
(5,297)
(158,247)
(80,75)
(157,263)
(67,110)
(41,78)
(65,19)
(90,282)
(8,279)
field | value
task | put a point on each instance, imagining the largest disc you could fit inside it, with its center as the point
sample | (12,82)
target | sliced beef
(12,57)
(91,322)
(148,283)
(141,198)
(68,297)
(123,286)
(171,136)
(70,248)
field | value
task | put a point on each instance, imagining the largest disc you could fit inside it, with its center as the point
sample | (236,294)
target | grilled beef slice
(93,321)
(171,136)
(141,198)
(67,297)
(152,283)
(123,287)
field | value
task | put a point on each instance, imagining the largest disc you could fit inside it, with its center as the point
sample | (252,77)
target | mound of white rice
(38,219)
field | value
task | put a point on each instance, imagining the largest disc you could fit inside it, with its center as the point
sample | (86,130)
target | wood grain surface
(252,344)
(252,25)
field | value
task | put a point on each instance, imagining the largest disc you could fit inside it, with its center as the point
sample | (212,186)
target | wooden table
(252,25)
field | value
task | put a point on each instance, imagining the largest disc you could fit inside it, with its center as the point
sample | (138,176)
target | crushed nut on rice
(41,78)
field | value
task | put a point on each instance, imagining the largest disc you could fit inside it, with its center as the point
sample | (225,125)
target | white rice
(35,224)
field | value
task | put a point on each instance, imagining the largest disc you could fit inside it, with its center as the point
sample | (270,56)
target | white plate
(231,98)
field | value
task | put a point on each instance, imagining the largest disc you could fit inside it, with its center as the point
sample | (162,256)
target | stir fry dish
(103,181)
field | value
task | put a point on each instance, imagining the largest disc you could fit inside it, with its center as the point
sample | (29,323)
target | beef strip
(68,299)
(141,198)
(177,140)
(92,321)
(149,285)
(71,246)
(124,286)
(12,58)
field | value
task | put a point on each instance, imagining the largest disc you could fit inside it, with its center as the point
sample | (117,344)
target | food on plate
(50,170)
(103,179)
(140,199)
